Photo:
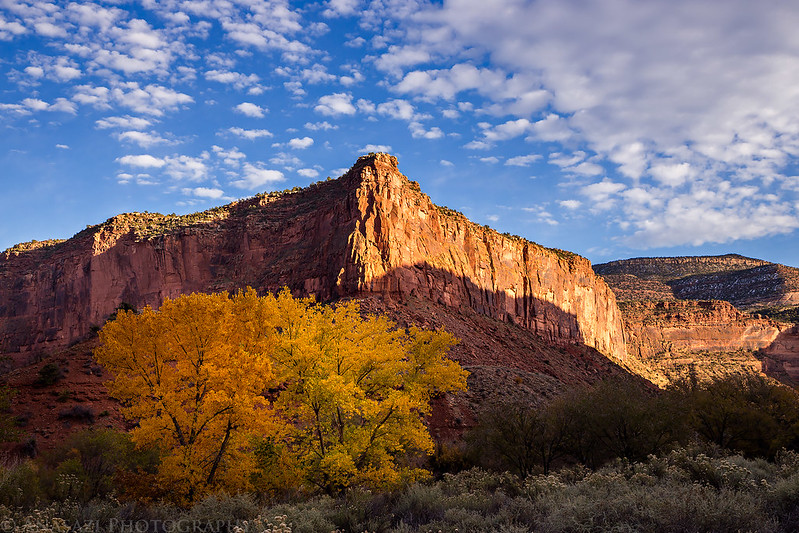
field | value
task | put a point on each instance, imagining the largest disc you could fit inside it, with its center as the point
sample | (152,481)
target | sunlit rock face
(701,315)
(371,232)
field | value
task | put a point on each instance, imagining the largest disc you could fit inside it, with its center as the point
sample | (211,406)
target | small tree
(746,413)
(518,437)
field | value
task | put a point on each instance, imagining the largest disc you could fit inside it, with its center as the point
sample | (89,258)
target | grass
(685,490)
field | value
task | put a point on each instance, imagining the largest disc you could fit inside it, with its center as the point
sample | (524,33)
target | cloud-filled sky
(613,129)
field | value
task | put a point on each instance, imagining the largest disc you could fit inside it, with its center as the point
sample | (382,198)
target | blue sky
(612,129)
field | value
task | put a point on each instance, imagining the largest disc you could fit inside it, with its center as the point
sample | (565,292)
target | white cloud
(335,104)
(586,168)
(145,140)
(602,195)
(187,168)
(149,100)
(127,122)
(236,79)
(357,42)
(672,175)
(308,172)
(517,95)
(254,177)
(399,109)
(565,160)
(570,204)
(35,104)
(286,160)
(478,145)
(97,97)
(232,157)
(399,57)
(446,163)
(541,214)
(251,110)
(690,220)
(420,132)
(142,161)
(508,130)
(300,143)
(522,160)
(93,15)
(36,72)
(49,29)
(205,192)
(552,128)
(317,74)
(9,30)
(66,72)
(369,148)
(317,126)
(338,8)
(249,134)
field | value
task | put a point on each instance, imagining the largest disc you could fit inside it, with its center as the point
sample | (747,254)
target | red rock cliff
(371,231)
(655,328)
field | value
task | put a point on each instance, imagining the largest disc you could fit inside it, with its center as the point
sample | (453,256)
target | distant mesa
(709,314)
(749,284)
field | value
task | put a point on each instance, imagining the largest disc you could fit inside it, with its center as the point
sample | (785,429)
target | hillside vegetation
(698,457)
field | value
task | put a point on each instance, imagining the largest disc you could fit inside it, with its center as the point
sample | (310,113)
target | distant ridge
(747,283)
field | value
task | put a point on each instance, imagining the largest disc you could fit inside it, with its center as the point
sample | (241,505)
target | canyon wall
(683,326)
(709,339)
(370,232)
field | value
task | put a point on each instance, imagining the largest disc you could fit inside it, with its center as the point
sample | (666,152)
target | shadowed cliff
(370,232)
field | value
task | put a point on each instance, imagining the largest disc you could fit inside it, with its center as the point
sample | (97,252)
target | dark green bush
(89,463)
(49,374)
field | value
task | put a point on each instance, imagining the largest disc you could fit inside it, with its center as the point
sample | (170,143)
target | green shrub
(19,484)
(87,464)
(49,374)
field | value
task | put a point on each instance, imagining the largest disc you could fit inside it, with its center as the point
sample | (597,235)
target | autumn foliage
(276,391)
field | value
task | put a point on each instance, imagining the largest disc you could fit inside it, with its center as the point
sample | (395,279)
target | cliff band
(370,232)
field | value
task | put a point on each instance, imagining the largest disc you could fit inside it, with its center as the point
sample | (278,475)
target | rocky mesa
(371,232)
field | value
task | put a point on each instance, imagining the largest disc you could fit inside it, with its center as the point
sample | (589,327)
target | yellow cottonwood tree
(357,390)
(353,391)
(193,374)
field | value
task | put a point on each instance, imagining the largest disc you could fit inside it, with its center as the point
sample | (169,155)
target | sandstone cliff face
(404,245)
(655,328)
(369,232)
(709,339)
(54,295)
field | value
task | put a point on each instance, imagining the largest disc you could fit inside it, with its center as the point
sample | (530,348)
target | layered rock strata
(370,232)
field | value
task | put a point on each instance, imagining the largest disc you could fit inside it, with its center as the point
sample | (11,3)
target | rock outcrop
(682,326)
(709,339)
(371,232)
(747,283)
(687,314)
